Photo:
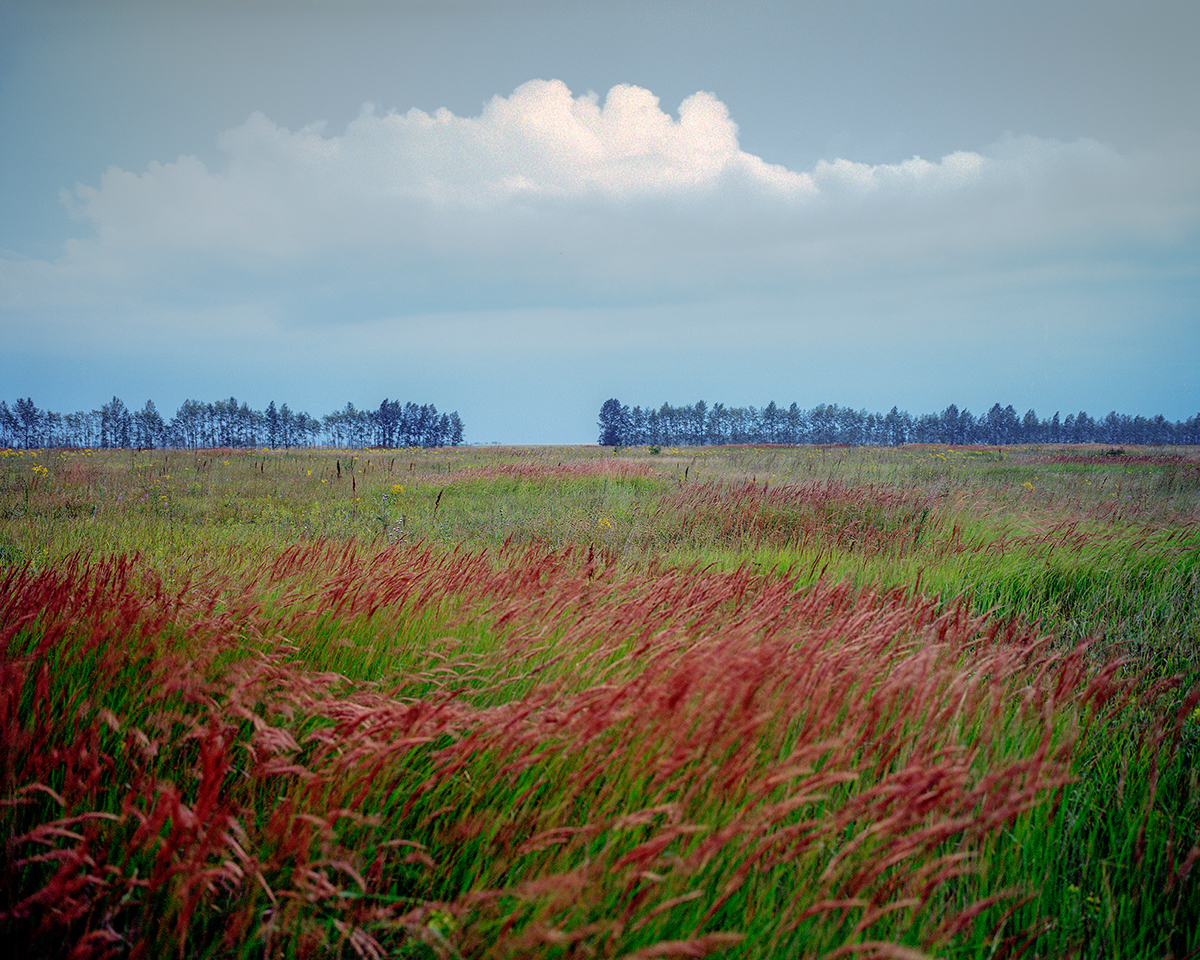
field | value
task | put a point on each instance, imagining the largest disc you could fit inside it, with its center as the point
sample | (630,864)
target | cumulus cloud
(387,172)
(547,196)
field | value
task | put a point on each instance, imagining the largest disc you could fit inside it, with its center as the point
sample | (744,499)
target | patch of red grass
(529,470)
(631,764)
(1102,456)
(808,515)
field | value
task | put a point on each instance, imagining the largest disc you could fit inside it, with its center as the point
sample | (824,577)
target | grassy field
(570,702)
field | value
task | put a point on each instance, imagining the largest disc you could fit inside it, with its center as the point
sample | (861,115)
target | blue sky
(520,209)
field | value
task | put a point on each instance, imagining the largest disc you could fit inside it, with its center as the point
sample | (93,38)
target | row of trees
(701,424)
(228,423)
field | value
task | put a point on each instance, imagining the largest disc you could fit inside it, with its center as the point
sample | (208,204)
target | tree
(850,425)
(1031,428)
(950,431)
(613,424)
(231,423)
(429,425)
(895,430)
(1160,429)
(357,424)
(795,423)
(28,421)
(654,431)
(334,424)
(822,420)
(717,428)
(992,426)
(456,429)
(272,425)
(873,433)
(1190,430)
(249,424)
(637,426)
(76,431)
(148,426)
(304,427)
(697,414)
(407,430)
(348,427)
(287,426)
(1083,428)
(927,428)
(968,427)
(668,430)
(771,422)
(189,423)
(115,424)
(8,426)
(387,422)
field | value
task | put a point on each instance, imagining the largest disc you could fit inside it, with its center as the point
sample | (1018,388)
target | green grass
(559,702)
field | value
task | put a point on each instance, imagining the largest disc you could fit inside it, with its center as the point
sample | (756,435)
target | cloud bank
(547,198)
(283,191)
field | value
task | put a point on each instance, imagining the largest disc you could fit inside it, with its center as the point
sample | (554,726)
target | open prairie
(568,702)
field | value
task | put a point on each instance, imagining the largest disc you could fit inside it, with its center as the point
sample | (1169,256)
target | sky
(517,209)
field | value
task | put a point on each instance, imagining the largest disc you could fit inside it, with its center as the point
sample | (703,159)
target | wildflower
(440,922)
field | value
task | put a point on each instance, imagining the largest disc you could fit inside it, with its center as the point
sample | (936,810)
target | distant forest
(227,423)
(701,424)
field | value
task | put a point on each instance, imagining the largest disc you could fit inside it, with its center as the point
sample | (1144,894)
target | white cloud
(550,197)
(283,191)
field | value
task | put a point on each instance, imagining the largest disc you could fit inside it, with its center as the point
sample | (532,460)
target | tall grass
(666,762)
(510,703)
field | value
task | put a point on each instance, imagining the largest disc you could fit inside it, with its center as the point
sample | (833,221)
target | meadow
(583,702)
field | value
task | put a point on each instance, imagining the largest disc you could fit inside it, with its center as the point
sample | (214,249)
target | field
(571,702)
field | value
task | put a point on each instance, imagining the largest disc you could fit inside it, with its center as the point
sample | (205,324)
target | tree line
(228,423)
(700,424)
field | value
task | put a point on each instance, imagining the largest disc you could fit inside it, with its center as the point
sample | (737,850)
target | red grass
(597,467)
(810,515)
(629,764)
